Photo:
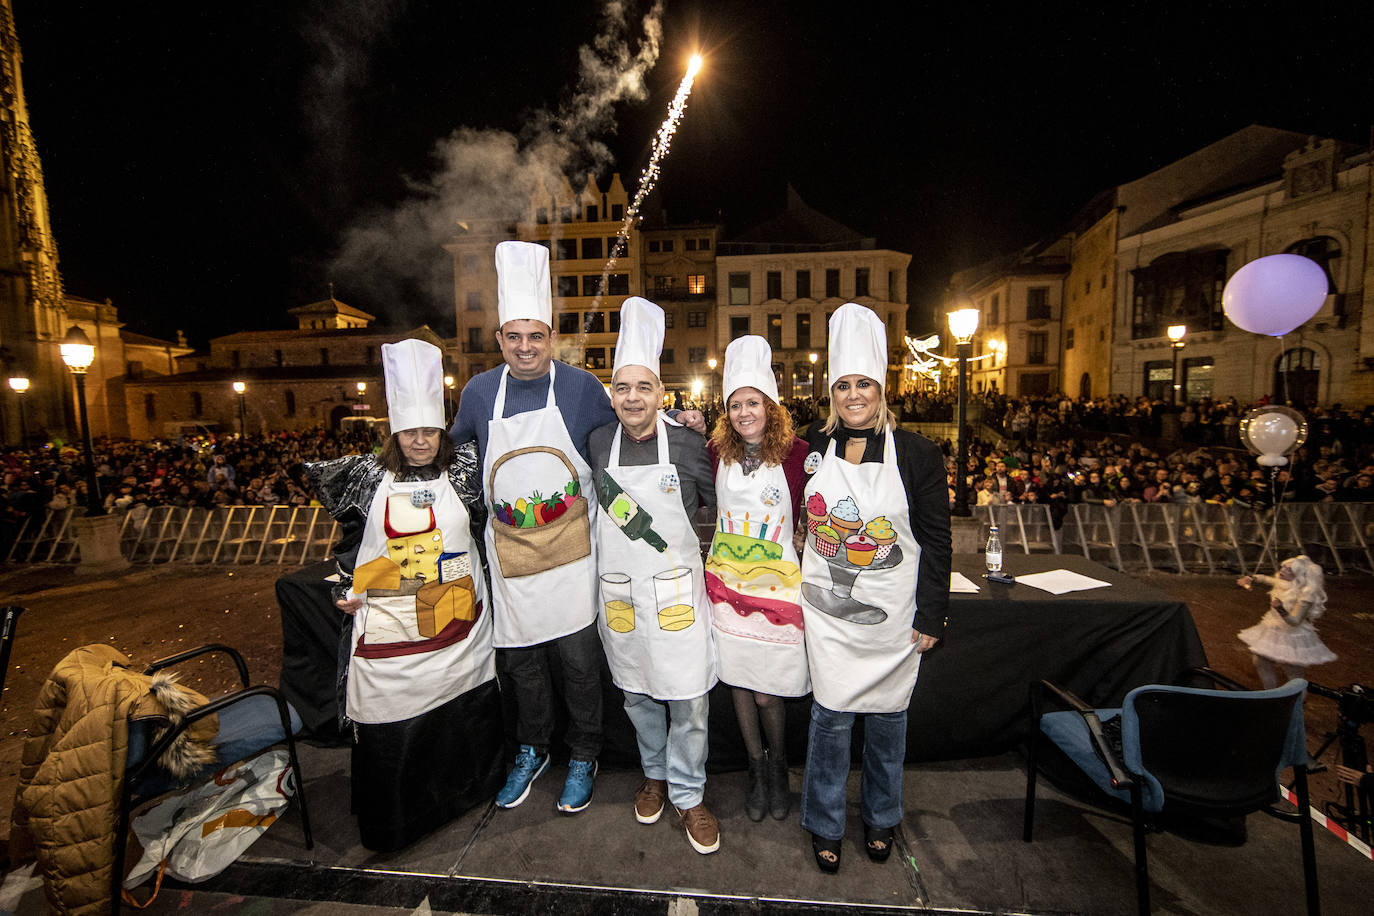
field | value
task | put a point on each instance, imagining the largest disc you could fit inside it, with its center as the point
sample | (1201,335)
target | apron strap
(499,408)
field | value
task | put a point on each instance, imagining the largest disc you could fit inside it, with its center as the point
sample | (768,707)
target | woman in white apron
(753,575)
(654,617)
(421,683)
(875,587)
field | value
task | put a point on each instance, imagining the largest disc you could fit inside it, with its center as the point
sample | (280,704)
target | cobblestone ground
(151,612)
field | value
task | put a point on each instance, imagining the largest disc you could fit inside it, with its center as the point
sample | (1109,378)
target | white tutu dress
(1293,641)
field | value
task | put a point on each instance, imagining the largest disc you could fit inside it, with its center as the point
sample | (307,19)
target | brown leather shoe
(702,830)
(650,799)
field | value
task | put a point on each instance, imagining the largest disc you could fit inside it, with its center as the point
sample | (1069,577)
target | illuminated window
(696,284)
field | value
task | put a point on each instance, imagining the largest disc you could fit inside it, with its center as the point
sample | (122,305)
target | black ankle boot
(779,796)
(756,802)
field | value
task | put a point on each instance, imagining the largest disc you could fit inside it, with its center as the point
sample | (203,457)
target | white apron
(543,575)
(424,637)
(653,621)
(754,582)
(859,585)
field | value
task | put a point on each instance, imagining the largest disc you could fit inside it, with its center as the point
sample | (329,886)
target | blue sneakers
(529,763)
(577,791)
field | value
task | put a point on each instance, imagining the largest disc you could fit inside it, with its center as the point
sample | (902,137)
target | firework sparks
(647,179)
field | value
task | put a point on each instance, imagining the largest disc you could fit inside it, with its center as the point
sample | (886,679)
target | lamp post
(812,357)
(448,396)
(1176,333)
(20,384)
(239,389)
(78,354)
(963,324)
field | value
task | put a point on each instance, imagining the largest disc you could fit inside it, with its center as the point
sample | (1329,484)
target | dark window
(691,244)
(566,249)
(803,330)
(861,281)
(696,354)
(590,284)
(1197,378)
(1068,339)
(470,264)
(1326,251)
(591,213)
(775,331)
(613,322)
(832,282)
(596,358)
(739,326)
(567,286)
(669,319)
(696,319)
(663,286)
(150,406)
(197,404)
(565,214)
(618,284)
(803,284)
(704,244)
(1296,374)
(1038,303)
(277,354)
(474,340)
(615,247)
(1036,344)
(541,215)
(324,356)
(290,397)
(655,245)
(739,289)
(596,323)
(234,358)
(1178,288)
(474,301)
(667,356)
(567,322)
(591,248)
(369,355)
(1159,379)
(993,308)
(892,285)
(667,245)
(774,278)
(617,212)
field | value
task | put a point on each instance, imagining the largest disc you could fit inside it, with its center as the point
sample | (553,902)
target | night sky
(210,165)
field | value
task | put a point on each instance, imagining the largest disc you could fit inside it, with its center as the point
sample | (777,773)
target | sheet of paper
(961,584)
(1060,581)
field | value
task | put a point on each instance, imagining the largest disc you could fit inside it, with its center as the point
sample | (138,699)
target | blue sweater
(581,400)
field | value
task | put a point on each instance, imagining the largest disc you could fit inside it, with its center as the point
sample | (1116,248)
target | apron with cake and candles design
(423,634)
(539,538)
(754,582)
(859,585)
(653,618)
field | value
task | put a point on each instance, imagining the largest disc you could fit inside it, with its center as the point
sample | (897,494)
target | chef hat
(858,344)
(641,335)
(414,384)
(522,283)
(749,364)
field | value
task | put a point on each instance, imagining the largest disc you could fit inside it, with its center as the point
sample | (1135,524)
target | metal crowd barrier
(233,535)
(1137,536)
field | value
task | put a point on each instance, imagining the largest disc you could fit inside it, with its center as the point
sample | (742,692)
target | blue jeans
(673,752)
(827,769)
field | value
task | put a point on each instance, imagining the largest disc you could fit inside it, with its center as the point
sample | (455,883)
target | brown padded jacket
(71,771)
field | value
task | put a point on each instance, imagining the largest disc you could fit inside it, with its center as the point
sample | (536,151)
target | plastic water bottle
(994,552)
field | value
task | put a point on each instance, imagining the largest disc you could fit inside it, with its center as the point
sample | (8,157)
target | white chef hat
(858,344)
(414,384)
(522,283)
(641,335)
(749,364)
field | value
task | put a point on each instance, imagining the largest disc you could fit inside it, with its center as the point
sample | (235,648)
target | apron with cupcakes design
(653,609)
(859,585)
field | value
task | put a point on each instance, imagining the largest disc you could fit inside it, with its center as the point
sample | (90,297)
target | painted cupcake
(880,530)
(860,549)
(816,512)
(827,541)
(844,518)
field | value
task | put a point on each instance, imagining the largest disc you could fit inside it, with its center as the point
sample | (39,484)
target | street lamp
(963,324)
(20,384)
(812,358)
(239,389)
(448,394)
(1176,332)
(78,354)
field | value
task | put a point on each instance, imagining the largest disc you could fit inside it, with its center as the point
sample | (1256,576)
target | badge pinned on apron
(812,463)
(422,498)
(669,483)
(770,495)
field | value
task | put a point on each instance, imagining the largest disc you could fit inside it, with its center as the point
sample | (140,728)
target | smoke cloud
(392,260)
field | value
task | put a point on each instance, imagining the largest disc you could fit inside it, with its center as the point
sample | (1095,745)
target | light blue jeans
(672,743)
(827,769)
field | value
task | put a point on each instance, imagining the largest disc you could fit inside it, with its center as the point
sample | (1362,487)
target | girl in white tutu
(1284,642)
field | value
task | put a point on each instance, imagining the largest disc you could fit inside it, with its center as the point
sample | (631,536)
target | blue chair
(251,719)
(1185,751)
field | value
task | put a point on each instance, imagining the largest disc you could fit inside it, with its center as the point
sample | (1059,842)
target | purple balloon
(1275,294)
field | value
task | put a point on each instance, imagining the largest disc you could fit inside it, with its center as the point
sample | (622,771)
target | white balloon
(1275,294)
(1273,433)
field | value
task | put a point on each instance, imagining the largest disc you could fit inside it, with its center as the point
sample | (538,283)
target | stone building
(679,266)
(293,379)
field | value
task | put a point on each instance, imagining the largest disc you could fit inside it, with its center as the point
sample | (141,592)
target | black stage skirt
(411,777)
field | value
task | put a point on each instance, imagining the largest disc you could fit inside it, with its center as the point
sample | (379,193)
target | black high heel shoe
(827,853)
(878,842)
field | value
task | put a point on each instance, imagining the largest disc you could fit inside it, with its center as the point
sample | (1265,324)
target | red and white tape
(1354,842)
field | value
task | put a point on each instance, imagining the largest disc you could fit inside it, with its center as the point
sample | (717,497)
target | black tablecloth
(972,697)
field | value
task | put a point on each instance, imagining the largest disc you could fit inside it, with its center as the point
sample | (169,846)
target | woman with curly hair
(753,577)
(1285,642)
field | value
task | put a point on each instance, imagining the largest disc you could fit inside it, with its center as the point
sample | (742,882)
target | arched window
(1326,251)
(1297,373)
(290,402)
